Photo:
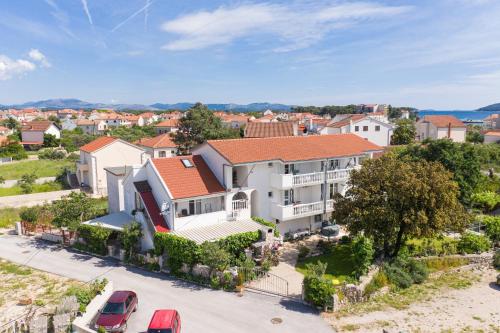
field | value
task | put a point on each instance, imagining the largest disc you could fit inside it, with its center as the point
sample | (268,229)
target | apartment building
(289,180)
(159,146)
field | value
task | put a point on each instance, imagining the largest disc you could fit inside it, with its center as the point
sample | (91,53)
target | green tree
(26,182)
(14,150)
(474,135)
(50,140)
(404,133)
(362,254)
(391,200)
(55,120)
(461,159)
(214,256)
(130,238)
(74,209)
(12,124)
(73,140)
(198,125)
(2,180)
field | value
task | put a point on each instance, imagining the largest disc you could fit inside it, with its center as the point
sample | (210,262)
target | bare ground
(473,309)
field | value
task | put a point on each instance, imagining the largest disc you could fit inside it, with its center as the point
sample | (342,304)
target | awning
(115,221)
(218,231)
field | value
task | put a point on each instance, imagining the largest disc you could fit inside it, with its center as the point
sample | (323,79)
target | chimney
(449,130)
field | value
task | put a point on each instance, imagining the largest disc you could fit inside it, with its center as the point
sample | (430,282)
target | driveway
(202,310)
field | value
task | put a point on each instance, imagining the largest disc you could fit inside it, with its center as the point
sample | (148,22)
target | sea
(464,115)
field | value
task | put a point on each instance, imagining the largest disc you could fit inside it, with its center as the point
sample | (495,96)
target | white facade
(427,130)
(37,136)
(368,128)
(160,152)
(90,167)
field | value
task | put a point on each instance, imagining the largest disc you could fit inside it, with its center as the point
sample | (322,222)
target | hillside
(492,107)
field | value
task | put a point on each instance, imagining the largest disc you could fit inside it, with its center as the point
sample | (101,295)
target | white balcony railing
(240,204)
(287,212)
(284,181)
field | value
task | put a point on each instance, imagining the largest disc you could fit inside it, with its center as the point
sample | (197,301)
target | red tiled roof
(492,133)
(347,121)
(97,144)
(3,140)
(36,126)
(267,130)
(154,212)
(292,148)
(168,123)
(444,121)
(185,182)
(160,141)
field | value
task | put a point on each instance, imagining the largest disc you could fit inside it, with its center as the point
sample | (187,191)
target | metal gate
(258,279)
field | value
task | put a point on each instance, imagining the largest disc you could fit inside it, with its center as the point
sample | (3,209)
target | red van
(165,321)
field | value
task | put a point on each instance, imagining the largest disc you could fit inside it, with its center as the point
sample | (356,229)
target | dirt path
(476,309)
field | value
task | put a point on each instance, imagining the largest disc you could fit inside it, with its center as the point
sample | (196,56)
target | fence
(261,280)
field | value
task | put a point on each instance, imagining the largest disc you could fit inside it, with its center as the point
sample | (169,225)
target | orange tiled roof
(185,182)
(444,121)
(160,141)
(266,130)
(36,126)
(347,121)
(292,148)
(147,115)
(493,133)
(3,140)
(97,144)
(168,123)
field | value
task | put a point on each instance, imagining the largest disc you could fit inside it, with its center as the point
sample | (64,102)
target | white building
(33,131)
(492,136)
(159,146)
(167,126)
(105,152)
(440,127)
(287,180)
(92,127)
(365,126)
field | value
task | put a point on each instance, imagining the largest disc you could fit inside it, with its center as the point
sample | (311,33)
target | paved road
(28,200)
(202,310)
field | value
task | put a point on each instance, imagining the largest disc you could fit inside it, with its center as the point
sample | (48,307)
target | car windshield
(113,308)
(163,330)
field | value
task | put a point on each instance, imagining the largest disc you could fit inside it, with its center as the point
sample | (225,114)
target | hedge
(95,238)
(184,251)
(260,220)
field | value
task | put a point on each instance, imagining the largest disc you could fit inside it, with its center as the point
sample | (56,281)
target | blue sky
(441,54)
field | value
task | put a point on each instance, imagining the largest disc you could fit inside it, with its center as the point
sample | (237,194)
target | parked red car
(165,321)
(115,314)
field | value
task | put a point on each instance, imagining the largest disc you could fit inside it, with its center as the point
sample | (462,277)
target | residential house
(66,113)
(134,119)
(439,127)
(5,131)
(159,146)
(266,130)
(149,117)
(105,152)
(32,132)
(492,121)
(92,127)
(367,127)
(167,126)
(492,136)
(68,124)
(233,120)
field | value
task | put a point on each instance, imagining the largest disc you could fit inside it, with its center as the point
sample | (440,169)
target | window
(163,153)
(377,128)
(191,207)
(270,164)
(287,169)
(187,163)
(288,197)
(172,152)
(356,128)
(270,194)
(138,201)
(334,164)
(365,128)
(318,218)
(331,191)
(235,177)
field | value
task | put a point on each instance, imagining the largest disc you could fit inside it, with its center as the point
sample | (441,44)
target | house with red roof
(167,126)
(105,152)
(441,127)
(289,180)
(32,132)
(159,146)
(492,136)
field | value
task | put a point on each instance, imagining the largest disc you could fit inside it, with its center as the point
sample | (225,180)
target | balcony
(286,181)
(288,212)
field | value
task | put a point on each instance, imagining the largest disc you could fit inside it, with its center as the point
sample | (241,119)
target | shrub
(318,290)
(496,259)
(487,200)
(325,247)
(215,282)
(473,243)
(398,276)
(130,238)
(423,247)
(267,224)
(26,182)
(303,252)
(492,227)
(378,281)
(236,244)
(439,264)
(51,154)
(417,270)
(29,214)
(178,249)
(214,256)
(362,254)
(84,294)
(95,238)
(345,240)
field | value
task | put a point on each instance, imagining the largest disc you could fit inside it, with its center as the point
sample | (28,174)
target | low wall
(81,324)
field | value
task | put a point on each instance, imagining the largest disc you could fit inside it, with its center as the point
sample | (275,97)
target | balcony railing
(240,204)
(284,181)
(283,212)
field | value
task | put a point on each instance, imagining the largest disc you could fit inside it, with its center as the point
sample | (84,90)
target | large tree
(198,125)
(391,200)
(462,159)
(404,133)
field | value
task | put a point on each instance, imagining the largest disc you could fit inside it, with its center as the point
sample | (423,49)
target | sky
(441,54)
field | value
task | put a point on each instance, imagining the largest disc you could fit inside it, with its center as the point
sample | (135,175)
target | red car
(165,321)
(114,315)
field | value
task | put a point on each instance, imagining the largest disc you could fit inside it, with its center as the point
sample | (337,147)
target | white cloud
(10,68)
(39,57)
(87,12)
(297,26)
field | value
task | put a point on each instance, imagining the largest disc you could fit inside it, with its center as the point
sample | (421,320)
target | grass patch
(445,263)
(37,188)
(8,216)
(403,298)
(350,327)
(42,168)
(10,268)
(340,263)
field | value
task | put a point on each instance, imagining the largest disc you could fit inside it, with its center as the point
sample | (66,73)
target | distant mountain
(73,103)
(492,107)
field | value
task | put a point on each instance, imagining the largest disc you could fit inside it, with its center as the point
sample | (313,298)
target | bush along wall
(95,238)
(269,224)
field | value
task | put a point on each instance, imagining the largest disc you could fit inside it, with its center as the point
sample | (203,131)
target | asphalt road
(202,310)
